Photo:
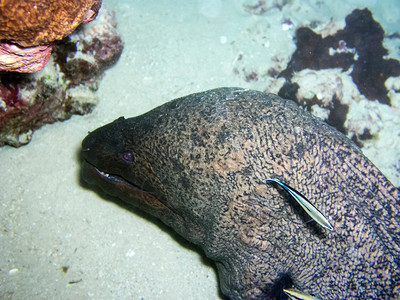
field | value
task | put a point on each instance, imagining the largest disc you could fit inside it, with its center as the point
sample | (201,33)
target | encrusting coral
(29,28)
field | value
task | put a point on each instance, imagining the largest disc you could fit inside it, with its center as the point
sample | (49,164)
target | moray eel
(198,164)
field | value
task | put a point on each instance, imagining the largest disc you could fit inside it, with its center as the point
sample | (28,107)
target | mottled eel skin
(197,163)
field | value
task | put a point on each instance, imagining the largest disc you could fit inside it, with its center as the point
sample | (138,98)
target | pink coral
(24,60)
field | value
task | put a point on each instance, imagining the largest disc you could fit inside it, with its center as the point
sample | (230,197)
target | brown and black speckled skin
(198,165)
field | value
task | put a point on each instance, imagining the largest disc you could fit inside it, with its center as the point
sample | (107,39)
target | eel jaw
(130,193)
(93,175)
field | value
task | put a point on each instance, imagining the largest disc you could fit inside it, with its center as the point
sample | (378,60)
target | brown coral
(28,29)
(36,22)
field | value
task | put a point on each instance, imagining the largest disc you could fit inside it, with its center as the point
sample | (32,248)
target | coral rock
(31,23)
(358,46)
(35,22)
(65,87)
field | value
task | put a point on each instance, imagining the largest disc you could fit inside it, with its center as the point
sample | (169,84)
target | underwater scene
(273,173)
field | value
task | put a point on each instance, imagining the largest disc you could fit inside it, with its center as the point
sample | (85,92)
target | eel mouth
(92,175)
(127,191)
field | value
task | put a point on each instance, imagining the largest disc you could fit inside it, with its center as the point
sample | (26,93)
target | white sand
(49,221)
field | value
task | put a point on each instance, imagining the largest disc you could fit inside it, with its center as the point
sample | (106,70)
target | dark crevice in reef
(338,114)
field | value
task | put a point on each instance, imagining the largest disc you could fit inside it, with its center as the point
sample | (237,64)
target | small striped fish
(310,209)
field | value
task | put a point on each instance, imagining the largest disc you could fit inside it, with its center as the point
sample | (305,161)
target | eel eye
(128,157)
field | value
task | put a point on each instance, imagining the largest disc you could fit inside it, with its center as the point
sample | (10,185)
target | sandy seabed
(59,240)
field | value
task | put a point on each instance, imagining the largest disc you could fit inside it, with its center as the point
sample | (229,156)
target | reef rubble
(65,86)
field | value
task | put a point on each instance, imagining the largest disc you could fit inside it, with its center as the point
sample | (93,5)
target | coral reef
(66,86)
(359,47)
(328,74)
(29,25)
(350,80)
(343,70)
(332,95)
